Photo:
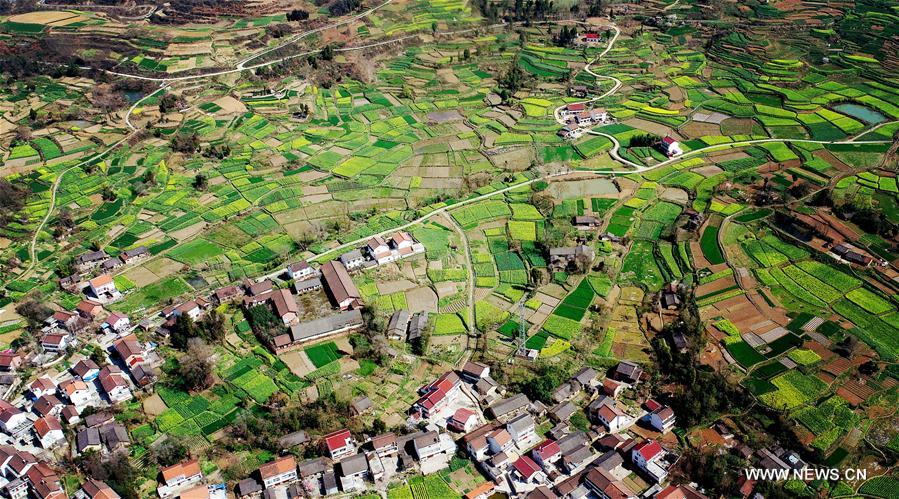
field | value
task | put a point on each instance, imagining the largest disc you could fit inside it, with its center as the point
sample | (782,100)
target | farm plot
(640,266)
(793,389)
(323,354)
(829,421)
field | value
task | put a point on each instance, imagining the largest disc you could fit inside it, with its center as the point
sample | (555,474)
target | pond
(133,96)
(863,113)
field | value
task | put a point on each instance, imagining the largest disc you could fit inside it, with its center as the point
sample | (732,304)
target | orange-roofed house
(278,472)
(95,489)
(49,432)
(179,477)
(103,285)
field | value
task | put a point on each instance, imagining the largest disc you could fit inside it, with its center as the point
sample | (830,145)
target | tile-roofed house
(463,420)
(111,264)
(86,369)
(482,491)
(189,308)
(10,361)
(76,391)
(300,270)
(341,322)
(113,381)
(135,254)
(436,395)
(339,444)
(118,322)
(226,293)
(129,350)
(499,440)
(47,405)
(278,472)
(576,458)
(12,419)
(586,378)
(613,418)
(546,453)
(88,439)
(90,259)
(680,492)
(541,492)
(49,431)
(378,250)
(89,308)
(55,341)
(527,470)
(384,444)
(329,482)
(427,445)
(628,372)
(285,304)
(648,457)
(312,468)
(360,405)
(45,483)
(340,287)
(42,386)
(143,374)
(293,439)
(307,285)
(354,466)
(103,285)
(507,408)
(99,419)
(475,371)
(66,320)
(417,325)
(399,323)
(662,419)
(179,477)
(114,436)
(670,146)
(586,222)
(260,288)
(352,259)
(612,388)
(522,428)
(95,489)
(606,485)
(562,411)
(70,414)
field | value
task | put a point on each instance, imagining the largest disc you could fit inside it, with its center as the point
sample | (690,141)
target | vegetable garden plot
(323,354)
(709,245)
(640,266)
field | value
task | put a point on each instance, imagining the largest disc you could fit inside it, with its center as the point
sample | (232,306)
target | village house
(436,395)
(351,260)
(527,471)
(472,372)
(339,444)
(384,445)
(353,471)
(300,270)
(190,308)
(307,285)
(179,477)
(417,326)
(41,386)
(49,432)
(612,388)
(12,420)
(340,286)
(398,325)
(95,489)
(285,305)
(628,372)
(89,309)
(135,255)
(613,418)
(507,408)
(522,428)
(103,287)
(90,260)
(10,361)
(76,391)
(47,405)
(427,445)
(577,91)
(114,384)
(65,320)
(572,109)
(605,485)
(462,421)
(55,342)
(670,147)
(649,457)
(226,294)
(304,332)
(118,322)
(586,222)
(281,471)
(570,257)
(661,417)
(499,440)
(570,132)
(547,453)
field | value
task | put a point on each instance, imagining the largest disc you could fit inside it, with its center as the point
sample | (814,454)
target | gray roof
(429,438)
(303,285)
(361,404)
(350,256)
(248,486)
(521,423)
(417,325)
(329,480)
(92,256)
(399,321)
(510,404)
(340,320)
(114,434)
(356,463)
(563,411)
(578,455)
(609,461)
(293,439)
(571,442)
(585,376)
(312,467)
(87,437)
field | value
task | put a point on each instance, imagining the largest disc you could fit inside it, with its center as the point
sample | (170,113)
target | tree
(186,142)
(107,98)
(327,53)
(201,183)
(513,79)
(466,54)
(195,366)
(297,15)
(12,199)
(34,311)
(182,331)
(434,27)
(212,327)
(170,451)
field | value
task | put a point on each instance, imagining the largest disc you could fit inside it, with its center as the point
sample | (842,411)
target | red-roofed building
(463,421)
(89,308)
(339,444)
(118,322)
(670,147)
(49,431)
(612,388)
(547,452)
(680,492)
(648,456)
(436,395)
(527,470)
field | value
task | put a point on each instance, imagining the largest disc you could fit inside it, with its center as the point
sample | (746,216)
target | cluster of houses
(578,118)
(100,286)
(379,251)
(62,327)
